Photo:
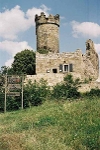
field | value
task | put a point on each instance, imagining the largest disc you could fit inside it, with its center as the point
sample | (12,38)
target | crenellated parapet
(47,32)
(42,19)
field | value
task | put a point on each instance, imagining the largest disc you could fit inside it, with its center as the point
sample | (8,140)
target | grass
(52,126)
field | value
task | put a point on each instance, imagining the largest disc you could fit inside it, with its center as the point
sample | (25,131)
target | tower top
(42,19)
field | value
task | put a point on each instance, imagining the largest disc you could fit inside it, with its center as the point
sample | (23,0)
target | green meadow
(54,125)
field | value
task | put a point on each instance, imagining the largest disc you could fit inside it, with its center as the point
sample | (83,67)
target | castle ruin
(78,64)
(53,65)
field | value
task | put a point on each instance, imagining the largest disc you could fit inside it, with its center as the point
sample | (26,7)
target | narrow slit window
(70,67)
(60,67)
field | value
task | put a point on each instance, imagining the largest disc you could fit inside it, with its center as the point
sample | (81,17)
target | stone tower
(47,32)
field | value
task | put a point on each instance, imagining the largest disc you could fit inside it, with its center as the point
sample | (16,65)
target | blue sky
(79,21)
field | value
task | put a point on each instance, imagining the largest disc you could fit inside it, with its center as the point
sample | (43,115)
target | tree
(6,70)
(24,62)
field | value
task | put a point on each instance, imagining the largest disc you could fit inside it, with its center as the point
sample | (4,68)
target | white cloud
(9,62)
(12,22)
(15,20)
(45,8)
(12,48)
(85,29)
(30,14)
(97,47)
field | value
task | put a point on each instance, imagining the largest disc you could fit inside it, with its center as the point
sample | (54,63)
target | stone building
(54,65)
(47,32)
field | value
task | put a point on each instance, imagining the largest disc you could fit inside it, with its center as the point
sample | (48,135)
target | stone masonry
(47,32)
(84,66)
(53,66)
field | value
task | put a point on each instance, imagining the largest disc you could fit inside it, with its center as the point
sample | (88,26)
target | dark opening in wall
(54,70)
(65,68)
(45,47)
(70,67)
(60,68)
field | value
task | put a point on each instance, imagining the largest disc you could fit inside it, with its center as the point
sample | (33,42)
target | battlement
(42,19)
(89,45)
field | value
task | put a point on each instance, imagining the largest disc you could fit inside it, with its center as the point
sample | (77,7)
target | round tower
(47,32)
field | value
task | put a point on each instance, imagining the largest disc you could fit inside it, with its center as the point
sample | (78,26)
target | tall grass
(52,126)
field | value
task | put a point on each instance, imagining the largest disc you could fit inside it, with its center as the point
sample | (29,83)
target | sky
(79,21)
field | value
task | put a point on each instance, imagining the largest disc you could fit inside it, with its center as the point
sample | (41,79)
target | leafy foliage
(93,93)
(1,101)
(68,89)
(35,93)
(24,62)
(43,51)
(59,91)
(6,70)
(13,103)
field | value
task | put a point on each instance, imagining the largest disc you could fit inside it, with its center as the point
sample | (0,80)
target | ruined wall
(60,63)
(91,61)
(83,66)
(47,32)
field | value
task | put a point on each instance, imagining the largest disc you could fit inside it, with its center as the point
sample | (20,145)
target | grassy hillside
(52,126)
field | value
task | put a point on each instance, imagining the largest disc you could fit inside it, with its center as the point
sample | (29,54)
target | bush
(59,91)
(35,93)
(68,89)
(2,101)
(43,51)
(13,103)
(73,93)
(93,93)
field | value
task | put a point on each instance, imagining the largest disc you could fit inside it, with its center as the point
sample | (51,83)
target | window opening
(54,70)
(65,68)
(70,67)
(60,67)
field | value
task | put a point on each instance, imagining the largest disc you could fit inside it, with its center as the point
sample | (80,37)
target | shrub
(13,103)
(68,89)
(1,101)
(43,51)
(35,93)
(73,93)
(59,91)
(93,93)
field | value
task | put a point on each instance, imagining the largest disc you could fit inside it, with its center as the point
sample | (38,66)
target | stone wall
(85,65)
(47,32)
(51,63)
(91,60)
(53,79)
